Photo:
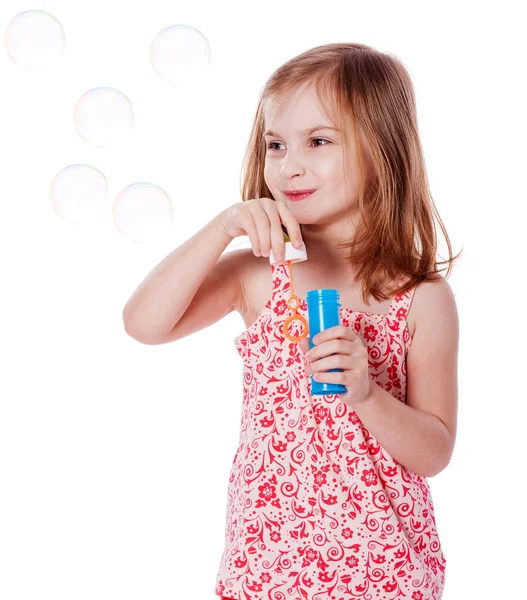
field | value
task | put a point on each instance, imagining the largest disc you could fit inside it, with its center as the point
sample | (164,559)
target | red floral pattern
(317,508)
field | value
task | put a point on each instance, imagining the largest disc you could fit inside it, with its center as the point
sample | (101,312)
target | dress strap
(401,302)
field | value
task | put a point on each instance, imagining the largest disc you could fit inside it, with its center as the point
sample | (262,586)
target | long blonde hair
(373,94)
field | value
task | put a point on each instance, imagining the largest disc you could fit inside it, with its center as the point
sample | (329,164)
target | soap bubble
(180,54)
(34,39)
(104,117)
(79,194)
(143,212)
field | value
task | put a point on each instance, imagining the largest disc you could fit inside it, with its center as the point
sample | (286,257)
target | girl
(328,495)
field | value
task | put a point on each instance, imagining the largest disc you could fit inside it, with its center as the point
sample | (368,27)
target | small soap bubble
(35,40)
(79,194)
(104,117)
(143,212)
(180,54)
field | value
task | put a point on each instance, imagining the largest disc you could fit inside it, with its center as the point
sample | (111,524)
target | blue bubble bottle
(323,313)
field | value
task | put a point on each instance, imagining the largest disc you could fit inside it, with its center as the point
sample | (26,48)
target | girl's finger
(277,235)
(262,225)
(336,361)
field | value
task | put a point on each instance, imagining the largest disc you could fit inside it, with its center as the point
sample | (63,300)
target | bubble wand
(323,312)
(292,255)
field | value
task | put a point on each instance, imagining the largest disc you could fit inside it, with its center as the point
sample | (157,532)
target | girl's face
(297,159)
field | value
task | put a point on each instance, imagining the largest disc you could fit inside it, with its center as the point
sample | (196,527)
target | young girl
(328,495)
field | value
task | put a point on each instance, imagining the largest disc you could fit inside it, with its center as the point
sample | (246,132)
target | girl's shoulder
(430,299)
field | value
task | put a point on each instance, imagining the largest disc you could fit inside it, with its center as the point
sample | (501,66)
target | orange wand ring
(293,304)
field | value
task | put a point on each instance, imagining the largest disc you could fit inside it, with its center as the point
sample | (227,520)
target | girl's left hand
(340,348)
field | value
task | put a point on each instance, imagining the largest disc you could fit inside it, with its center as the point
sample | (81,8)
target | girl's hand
(340,348)
(261,219)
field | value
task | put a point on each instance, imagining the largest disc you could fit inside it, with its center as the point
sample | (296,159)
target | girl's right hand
(261,219)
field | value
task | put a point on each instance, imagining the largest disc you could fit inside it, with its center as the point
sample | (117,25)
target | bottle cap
(291,253)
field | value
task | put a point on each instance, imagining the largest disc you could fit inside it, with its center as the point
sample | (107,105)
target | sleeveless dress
(316,508)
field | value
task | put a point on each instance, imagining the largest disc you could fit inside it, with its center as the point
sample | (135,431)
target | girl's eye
(312,139)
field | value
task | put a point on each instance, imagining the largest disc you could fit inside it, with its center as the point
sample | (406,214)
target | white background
(114,455)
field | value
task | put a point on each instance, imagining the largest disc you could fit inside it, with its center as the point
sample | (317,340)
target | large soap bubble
(180,54)
(143,212)
(79,194)
(104,117)
(34,39)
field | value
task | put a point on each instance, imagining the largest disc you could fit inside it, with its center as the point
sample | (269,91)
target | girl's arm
(162,299)
(421,433)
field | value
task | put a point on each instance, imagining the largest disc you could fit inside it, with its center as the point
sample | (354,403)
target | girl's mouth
(294,197)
